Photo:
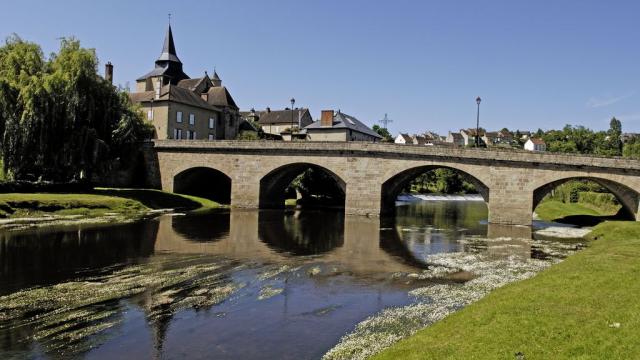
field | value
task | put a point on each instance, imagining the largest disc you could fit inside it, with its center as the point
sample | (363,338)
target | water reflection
(302,232)
(193,228)
(254,279)
(46,256)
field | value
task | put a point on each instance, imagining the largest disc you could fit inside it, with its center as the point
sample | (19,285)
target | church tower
(215,79)
(168,69)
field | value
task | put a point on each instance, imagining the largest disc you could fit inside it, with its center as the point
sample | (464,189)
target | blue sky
(540,63)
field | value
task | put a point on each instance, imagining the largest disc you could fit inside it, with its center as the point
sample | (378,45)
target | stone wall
(508,179)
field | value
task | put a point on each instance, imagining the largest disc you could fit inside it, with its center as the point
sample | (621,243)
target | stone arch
(628,198)
(205,182)
(392,186)
(274,183)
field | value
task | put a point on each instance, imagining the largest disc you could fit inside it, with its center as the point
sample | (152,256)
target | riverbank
(554,210)
(584,307)
(102,205)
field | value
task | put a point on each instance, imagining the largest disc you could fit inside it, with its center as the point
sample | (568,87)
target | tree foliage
(59,120)
(386,135)
(581,140)
(441,181)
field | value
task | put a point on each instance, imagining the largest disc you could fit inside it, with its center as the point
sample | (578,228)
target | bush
(604,201)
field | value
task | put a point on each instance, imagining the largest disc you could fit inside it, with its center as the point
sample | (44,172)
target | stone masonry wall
(511,176)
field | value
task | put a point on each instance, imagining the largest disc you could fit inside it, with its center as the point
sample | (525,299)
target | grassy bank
(552,210)
(585,307)
(101,202)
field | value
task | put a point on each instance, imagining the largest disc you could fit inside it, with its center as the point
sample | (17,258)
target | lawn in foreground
(585,307)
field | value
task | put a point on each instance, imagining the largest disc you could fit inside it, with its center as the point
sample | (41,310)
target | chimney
(268,109)
(108,72)
(326,118)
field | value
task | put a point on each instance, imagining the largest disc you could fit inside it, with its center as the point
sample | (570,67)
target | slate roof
(219,96)
(407,138)
(344,121)
(168,63)
(420,140)
(190,84)
(173,93)
(456,136)
(281,116)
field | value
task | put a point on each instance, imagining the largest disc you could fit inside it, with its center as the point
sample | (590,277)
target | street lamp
(478,100)
(293,101)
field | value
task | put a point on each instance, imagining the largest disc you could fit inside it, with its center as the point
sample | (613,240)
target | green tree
(631,150)
(386,136)
(59,120)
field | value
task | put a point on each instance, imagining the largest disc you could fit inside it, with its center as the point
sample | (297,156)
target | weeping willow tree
(59,120)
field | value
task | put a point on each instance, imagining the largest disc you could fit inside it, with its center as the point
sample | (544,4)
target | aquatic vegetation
(269,292)
(434,302)
(66,317)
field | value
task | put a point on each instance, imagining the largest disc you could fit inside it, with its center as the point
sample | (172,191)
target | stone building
(184,108)
(276,122)
(338,126)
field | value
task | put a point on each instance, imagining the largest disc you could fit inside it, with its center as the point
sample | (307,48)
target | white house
(404,139)
(535,144)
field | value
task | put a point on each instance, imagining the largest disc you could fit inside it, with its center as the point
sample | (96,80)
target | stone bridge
(254,174)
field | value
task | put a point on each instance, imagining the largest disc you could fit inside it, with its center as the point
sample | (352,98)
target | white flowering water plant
(434,302)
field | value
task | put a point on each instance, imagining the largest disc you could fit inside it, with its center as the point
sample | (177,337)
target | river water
(251,284)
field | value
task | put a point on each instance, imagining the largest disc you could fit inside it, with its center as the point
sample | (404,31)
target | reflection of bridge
(254,174)
(272,236)
(358,247)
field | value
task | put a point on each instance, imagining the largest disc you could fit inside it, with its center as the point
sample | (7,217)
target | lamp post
(293,101)
(478,100)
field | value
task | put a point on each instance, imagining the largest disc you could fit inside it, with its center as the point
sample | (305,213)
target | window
(191,135)
(211,123)
(177,134)
(211,137)
(179,116)
(149,114)
(192,119)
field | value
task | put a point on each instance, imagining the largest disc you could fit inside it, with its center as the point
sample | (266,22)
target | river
(252,284)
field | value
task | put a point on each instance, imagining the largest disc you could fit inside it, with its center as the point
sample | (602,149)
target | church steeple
(168,49)
(215,79)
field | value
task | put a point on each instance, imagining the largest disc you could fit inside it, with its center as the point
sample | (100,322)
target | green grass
(551,210)
(15,205)
(568,311)
(156,199)
(290,202)
(102,201)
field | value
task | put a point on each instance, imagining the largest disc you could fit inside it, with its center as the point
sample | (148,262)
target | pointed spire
(169,48)
(215,79)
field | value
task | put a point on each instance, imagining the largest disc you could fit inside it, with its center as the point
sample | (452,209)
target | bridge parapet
(395,150)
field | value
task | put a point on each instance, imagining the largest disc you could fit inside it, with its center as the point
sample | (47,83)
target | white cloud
(596,102)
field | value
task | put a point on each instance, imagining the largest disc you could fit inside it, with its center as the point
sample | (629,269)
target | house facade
(404,139)
(470,135)
(184,108)
(535,144)
(276,122)
(338,126)
(455,138)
